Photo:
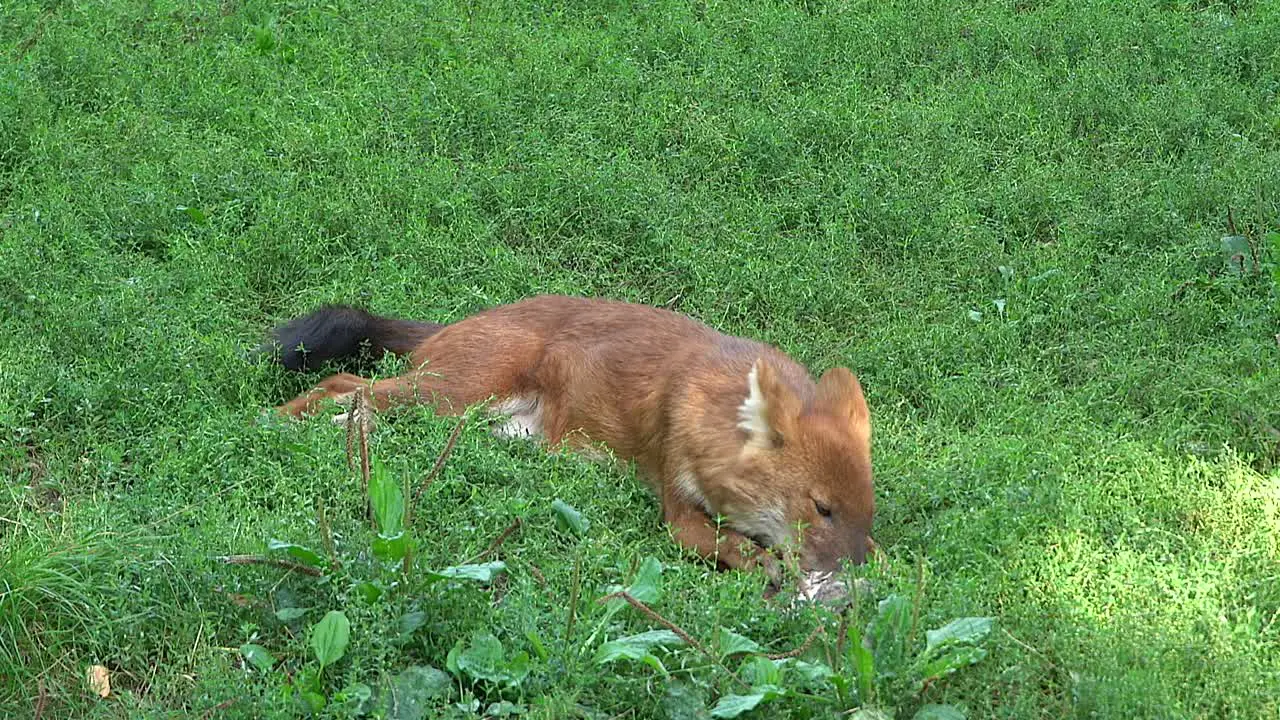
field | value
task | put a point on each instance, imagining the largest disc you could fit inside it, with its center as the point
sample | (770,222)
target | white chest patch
(523,415)
(686,485)
(767,524)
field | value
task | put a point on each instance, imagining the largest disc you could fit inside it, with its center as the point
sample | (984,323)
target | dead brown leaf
(99,680)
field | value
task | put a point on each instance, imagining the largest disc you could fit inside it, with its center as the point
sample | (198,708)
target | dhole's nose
(859,554)
(830,560)
(862,546)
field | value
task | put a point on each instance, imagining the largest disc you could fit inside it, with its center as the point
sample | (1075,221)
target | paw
(771,567)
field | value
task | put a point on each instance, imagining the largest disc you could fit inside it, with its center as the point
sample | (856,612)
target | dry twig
(497,542)
(42,698)
(802,648)
(220,706)
(679,631)
(274,562)
(444,455)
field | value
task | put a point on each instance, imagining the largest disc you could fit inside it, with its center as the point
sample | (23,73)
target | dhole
(719,425)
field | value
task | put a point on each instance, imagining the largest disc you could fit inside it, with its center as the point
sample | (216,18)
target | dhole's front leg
(697,532)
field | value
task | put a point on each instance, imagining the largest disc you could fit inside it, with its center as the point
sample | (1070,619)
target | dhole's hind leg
(382,393)
(331,387)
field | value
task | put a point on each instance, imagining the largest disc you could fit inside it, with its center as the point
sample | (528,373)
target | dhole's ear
(840,394)
(769,408)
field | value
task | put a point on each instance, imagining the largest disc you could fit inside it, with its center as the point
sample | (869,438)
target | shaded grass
(1094,464)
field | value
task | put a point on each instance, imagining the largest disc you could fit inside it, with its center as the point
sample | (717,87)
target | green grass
(1006,217)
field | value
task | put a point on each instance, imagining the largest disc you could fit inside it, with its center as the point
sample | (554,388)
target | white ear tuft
(753,413)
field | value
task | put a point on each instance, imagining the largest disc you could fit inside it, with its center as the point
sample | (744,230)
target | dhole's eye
(823,510)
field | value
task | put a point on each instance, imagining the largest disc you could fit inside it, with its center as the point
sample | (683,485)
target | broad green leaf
(451,659)
(387,501)
(312,702)
(308,678)
(863,669)
(416,692)
(813,674)
(731,643)
(390,549)
(518,668)
(843,687)
(410,622)
(305,555)
(369,592)
(264,40)
(635,647)
(951,661)
(258,656)
(652,661)
(960,630)
(646,587)
(330,636)
(938,712)
(871,713)
(731,706)
(483,660)
(196,215)
(887,633)
(535,640)
(504,708)
(357,696)
(759,671)
(290,614)
(355,691)
(570,519)
(683,701)
(482,573)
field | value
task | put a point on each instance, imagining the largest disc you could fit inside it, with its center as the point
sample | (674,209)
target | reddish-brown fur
(675,396)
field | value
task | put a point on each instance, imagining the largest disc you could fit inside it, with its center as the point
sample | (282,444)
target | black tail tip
(330,332)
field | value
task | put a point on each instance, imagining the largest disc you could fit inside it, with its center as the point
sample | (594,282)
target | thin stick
(842,634)
(1025,646)
(326,532)
(573,600)
(502,537)
(274,562)
(406,520)
(804,646)
(444,455)
(653,615)
(915,606)
(358,410)
(220,706)
(42,698)
(350,427)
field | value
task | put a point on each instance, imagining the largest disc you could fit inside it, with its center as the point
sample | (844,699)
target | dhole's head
(807,465)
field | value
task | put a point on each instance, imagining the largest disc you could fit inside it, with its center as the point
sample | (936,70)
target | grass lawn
(1043,233)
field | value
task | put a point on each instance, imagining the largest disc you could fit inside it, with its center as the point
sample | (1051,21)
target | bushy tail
(336,332)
